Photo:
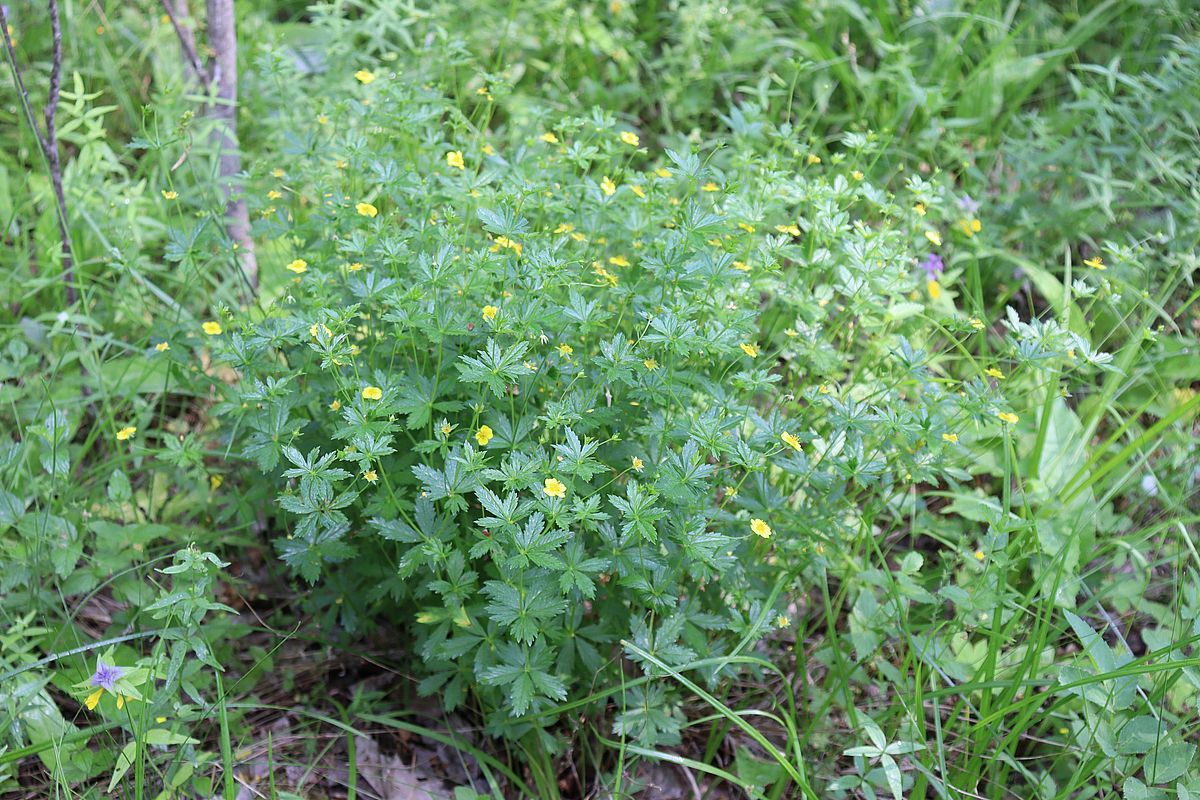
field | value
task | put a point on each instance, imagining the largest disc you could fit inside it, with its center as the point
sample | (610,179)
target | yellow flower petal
(483,435)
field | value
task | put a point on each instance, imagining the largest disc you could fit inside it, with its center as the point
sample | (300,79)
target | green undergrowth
(800,399)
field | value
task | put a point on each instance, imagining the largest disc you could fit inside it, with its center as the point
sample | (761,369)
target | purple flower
(106,676)
(968,205)
(932,265)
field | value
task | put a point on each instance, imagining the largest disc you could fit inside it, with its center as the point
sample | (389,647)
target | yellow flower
(579,237)
(858,176)
(564,227)
(790,440)
(747,227)
(741,265)
(749,349)
(126,434)
(760,528)
(934,237)
(813,158)
(529,365)
(935,290)
(356,266)
(1007,416)
(446,429)
(212,328)
(274,194)
(170,194)
(1096,263)
(650,364)
(970,227)
(920,209)
(370,476)
(490,312)
(638,464)
(994,373)
(488,150)
(619,261)
(336,405)
(503,242)
(710,187)
(565,350)
(629,138)
(638,190)
(484,435)
(608,187)
(278,173)
(790,230)
(555,488)
(980,555)
(977,323)
(364,76)
(93,699)
(298,266)
(162,347)
(782,622)
(952,438)
(608,277)
(322,119)
(366,209)
(549,138)
(662,173)
(454,158)
(372,393)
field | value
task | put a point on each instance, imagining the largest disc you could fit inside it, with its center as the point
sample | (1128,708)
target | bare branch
(177,12)
(48,143)
(50,112)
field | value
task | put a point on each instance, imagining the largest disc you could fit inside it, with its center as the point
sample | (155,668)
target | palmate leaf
(494,366)
(523,609)
(577,457)
(578,569)
(451,482)
(504,222)
(504,515)
(639,511)
(526,673)
(536,546)
(648,719)
(416,400)
(307,555)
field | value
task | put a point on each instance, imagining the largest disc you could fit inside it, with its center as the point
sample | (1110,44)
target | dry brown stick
(48,143)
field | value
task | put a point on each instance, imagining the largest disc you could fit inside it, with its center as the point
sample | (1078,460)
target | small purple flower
(106,676)
(933,266)
(968,205)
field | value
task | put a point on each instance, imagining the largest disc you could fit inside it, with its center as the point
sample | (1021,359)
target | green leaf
(1168,762)
(1139,735)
